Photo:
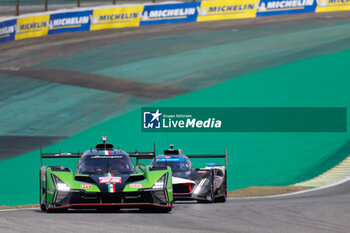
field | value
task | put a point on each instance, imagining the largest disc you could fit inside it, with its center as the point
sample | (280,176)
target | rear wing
(59,155)
(143,155)
(151,155)
(209,156)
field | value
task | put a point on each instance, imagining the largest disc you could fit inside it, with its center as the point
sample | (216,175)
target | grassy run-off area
(254,159)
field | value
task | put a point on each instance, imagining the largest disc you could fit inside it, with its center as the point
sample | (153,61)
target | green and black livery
(105,178)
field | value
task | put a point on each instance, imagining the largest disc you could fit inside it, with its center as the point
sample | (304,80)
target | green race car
(105,178)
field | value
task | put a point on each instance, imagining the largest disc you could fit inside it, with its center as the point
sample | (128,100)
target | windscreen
(100,164)
(176,164)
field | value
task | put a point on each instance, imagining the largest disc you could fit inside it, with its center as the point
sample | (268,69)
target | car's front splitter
(122,205)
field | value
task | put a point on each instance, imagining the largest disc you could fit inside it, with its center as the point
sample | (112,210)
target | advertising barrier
(151,14)
(116,18)
(279,7)
(32,26)
(173,13)
(332,5)
(226,9)
(7,30)
(70,22)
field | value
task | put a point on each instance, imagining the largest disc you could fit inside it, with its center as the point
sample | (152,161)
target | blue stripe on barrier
(70,22)
(170,13)
(280,7)
(8,30)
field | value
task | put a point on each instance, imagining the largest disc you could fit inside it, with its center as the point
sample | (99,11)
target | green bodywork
(68,177)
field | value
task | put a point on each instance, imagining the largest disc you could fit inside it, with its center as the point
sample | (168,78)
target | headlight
(59,184)
(62,187)
(160,183)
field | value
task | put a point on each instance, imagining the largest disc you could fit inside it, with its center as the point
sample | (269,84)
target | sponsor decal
(217,182)
(106,152)
(106,180)
(85,186)
(332,5)
(170,160)
(111,188)
(135,185)
(32,26)
(226,9)
(7,30)
(70,22)
(278,7)
(169,13)
(110,180)
(107,157)
(116,17)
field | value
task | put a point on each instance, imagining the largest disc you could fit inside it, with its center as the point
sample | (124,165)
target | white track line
(298,192)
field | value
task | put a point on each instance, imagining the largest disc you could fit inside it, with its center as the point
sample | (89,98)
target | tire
(210,197)
(43,207)
(165,210)
(224,191)
(60,210)
(160,209)
(41,191)
(149,209)
(221,198)
(145,209)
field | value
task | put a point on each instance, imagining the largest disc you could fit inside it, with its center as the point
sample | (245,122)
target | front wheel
(42,190)
(222,198)
(160,209)
(210,197)
(43,207)
(224,194)
(156,209)
(59,210)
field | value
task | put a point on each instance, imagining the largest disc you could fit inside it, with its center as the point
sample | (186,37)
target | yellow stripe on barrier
(226,9)
(116,18)
(332,5)
(70,26)
(32,26)
(3,36)
(178,17)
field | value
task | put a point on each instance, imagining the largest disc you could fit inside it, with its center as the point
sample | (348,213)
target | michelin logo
(224,9)
(285,4)
(7,30)
(151,120)
(68,21)
(31,27)
(168,13)
(113,18)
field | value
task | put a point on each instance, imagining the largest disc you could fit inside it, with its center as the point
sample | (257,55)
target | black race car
(208,184)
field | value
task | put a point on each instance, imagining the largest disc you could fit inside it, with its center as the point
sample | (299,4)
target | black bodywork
(207,184)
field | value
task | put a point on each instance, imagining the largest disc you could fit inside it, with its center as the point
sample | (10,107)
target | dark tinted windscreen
(176,164)
(99,164)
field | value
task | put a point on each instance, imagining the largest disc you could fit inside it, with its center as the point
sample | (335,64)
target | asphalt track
(325,210)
